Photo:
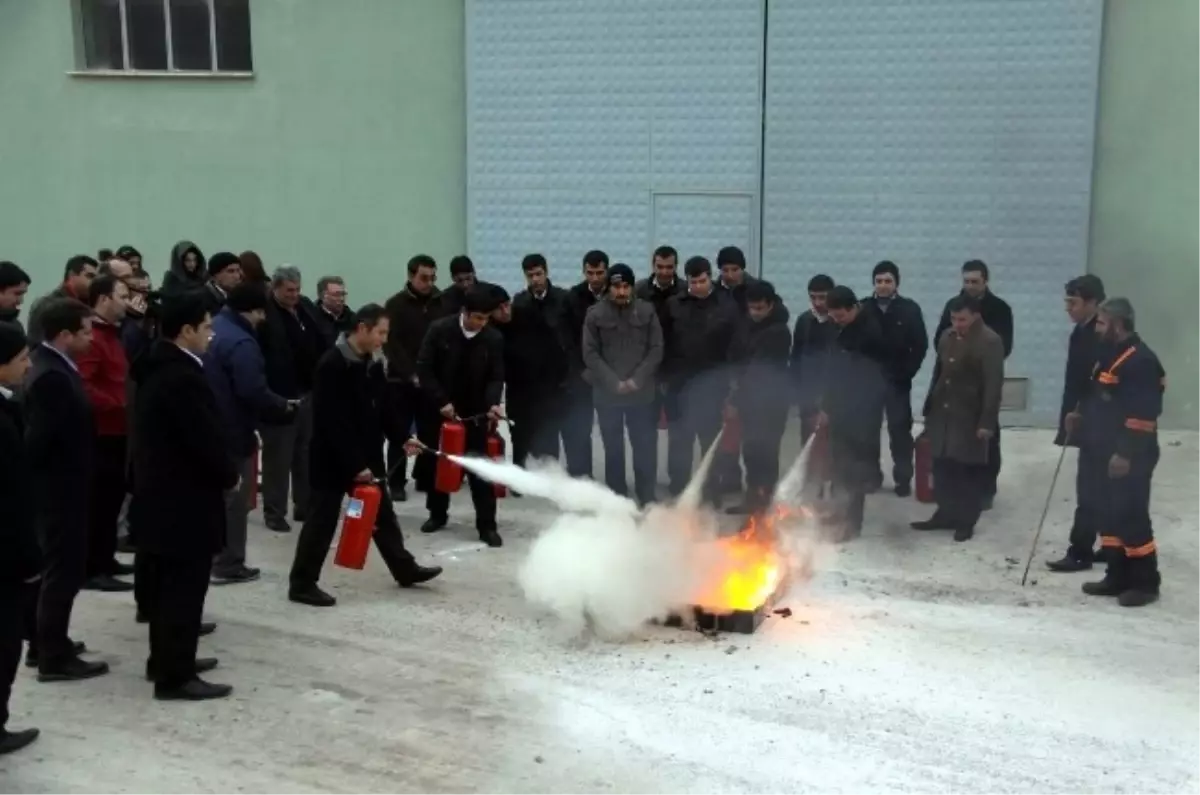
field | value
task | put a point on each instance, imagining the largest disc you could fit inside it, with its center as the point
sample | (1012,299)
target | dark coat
(466,372)
(179,280)
(996,314)
(58,436)
(700,335)
(236,372)
(1083,350)
(35,312)
(580,299)
(18,538)
(764,392)
(1123,402)
(536,342)
(349,419)
(409,315)
(291,345)
(180,462)
(966,396)
(622,343)
(857,382)
(738,292)
(649,291)
(328,326)
(904,333)
(813,343)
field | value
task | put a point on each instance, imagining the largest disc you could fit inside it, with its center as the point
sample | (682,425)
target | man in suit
(59,430)
(182,469)
(21,563)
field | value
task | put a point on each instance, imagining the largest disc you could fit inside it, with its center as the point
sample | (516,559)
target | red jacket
(104,370)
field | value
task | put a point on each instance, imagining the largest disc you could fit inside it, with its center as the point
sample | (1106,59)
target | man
(233,364)
(701,327)
(182,471)
(903,327)
(536,363)
(853,402)
(622,351)
(997,315)
(1084,294)
(59,430)
(14,284)
(104,369)
(21,563)
(331,314)
(1117,424)
(580,409)
(350,411)
(77,275)
(461,371)
(133,257)
(763,393)
(410,312)
(731,262)
(291,345)
(964,407)
(812,345)
(224,273)
(117,268)
(462,278)
(657,289)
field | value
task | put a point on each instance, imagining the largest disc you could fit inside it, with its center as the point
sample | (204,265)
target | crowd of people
(149,409)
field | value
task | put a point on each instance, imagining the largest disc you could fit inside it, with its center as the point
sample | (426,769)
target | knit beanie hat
(620,273)
(220,261)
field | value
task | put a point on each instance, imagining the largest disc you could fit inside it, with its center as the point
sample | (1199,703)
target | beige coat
(966,396)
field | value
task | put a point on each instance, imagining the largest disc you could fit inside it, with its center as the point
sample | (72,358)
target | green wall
(1144,192)
(345,154)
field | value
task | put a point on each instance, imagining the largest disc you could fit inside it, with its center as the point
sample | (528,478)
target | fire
(749,568)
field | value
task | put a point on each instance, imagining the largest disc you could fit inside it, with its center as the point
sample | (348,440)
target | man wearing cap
(622,350)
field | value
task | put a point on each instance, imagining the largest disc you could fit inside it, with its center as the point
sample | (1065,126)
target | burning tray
(742,622)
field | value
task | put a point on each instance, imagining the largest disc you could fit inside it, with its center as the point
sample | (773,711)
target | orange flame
(750,569)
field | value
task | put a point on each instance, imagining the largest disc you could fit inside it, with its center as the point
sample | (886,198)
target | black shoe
(903,490)
(125,545)
(107,583)
(71,669)
(1137,597)
(120,569)
(491,538)
(399,494)
(278,524)
(934,522)
(418,575)
(310,595)
(207,628)
(964,534)
(203,665)
(433,524)
(235,575)
(1105,587)
(32,658)
(15,741)
(988,503)
(1069,563)
(195,690)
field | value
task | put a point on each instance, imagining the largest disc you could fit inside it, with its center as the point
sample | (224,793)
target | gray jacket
(619,344)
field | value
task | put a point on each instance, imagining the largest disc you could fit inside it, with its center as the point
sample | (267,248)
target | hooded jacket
(409,316)
(177,278)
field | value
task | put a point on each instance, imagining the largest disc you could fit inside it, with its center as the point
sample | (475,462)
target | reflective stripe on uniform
(1107,376)
(1142,426)
(1142,551)
(1110,541)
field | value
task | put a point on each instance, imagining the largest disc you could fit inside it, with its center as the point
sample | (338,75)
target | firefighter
(1117,425)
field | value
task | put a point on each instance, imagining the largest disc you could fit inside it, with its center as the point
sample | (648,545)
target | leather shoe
(15,741)
(107,584)
(433,524)
(418,575)
(310,595)
(1137,597)
(195,690)
(902,490)
(32,658)
(1068,563)
(277,524)
(491,538)
(71,669)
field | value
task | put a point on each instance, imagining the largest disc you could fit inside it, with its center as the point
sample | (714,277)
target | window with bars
(165,35)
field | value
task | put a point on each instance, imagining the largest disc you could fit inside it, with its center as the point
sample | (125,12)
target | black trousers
(63,537)
(852,457)
(897,410)
(760,453)
(482,493)
(959,489)
(642,425)
(538,418)
(700,406)
(175,588)
(406,400)
(1127,532)
(12,631)
(993,465)
(107,494)
(322,523)
(1091,484)
(579,416)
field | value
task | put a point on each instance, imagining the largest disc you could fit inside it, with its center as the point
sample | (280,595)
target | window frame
(126,70)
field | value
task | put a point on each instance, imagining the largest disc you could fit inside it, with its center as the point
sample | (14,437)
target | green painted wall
(1144,193)
(345,154)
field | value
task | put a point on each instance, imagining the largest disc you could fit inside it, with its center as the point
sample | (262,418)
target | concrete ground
(910,664)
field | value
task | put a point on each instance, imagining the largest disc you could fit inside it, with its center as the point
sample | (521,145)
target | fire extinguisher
(923,469)
(495,451)
(254,477)
(448,477)
(358,526)
(662,419)
(818,458)
(731,439)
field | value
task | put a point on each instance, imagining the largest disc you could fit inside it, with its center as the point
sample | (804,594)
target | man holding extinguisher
(351,414)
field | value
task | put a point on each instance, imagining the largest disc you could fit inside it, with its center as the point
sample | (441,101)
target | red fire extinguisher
(495,451)
(818,458)
(448,477)
(923,469)
(358,526)
(662,419)
(731,439)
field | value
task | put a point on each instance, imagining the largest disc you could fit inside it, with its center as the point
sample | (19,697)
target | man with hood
(77,275)
(622,351)
(762,394)
(903,327)
(410,313)
(224,273)
(14,284)
(580,410)
(188,270)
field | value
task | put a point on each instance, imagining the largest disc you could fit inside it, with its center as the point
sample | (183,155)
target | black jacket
(580,299)
(700,334)
(904,334)
(409,316)
(466,372)
(763,387)
(58,423)
(291,345)
(856,388)
(18,538)
(349,419)
(181,465)
(813,342)
(328,326)
(648,290)
(1083,351)
(738,292)
(996,313)
(536,342)
(177,278)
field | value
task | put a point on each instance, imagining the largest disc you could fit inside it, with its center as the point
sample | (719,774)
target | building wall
(344,154)
(1144,197)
